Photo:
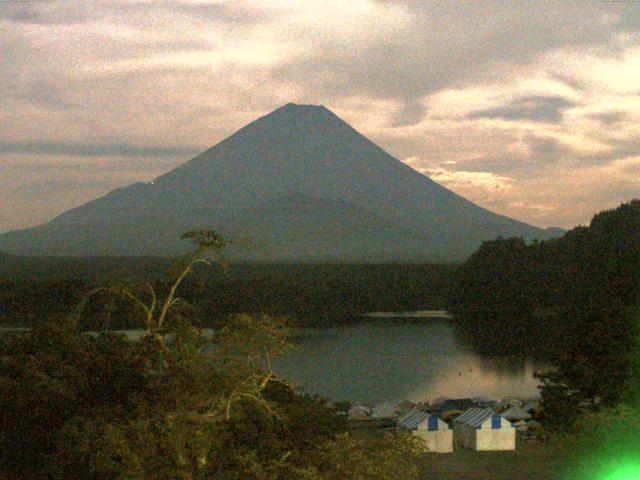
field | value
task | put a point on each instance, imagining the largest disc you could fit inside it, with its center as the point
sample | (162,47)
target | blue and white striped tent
(421,420)
(436,434)
(476,417)
(484,429)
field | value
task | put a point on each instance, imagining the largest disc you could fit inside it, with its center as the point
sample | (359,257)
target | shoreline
(440,314)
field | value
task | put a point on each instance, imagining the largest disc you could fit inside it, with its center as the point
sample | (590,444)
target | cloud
(462,180)
(36,188)
(51,187)
(43,12)
(87,150)
(535,108)
(452,44)
(74,12)
(509,103)
(410,113)
(609,117)
(547,149)
(105,166)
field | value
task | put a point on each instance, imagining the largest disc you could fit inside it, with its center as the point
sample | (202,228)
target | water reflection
(383,360)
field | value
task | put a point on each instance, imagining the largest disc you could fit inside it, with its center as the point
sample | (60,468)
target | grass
(530,460)
(534,461)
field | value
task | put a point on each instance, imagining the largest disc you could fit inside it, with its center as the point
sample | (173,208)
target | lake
(384,359)
(394,359)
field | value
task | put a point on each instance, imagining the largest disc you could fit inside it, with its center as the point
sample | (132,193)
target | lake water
(389,359)
(380,360)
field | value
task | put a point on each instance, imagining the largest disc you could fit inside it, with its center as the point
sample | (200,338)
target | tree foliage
(605,443)
(566,301)
(178,403)
(312,294)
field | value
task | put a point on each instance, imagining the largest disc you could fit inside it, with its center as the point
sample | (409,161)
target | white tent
(359,412)
(508,402)
(435,433)
(483,429)
(514,414)
(385,410)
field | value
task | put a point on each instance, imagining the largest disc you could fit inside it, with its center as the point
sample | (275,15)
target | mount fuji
(301,182)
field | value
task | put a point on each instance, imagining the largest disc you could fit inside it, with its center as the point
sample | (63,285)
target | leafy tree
(390,456)
(52,374)
(605,444)
(492,294)
(179,403)
(593,371)
(565,301)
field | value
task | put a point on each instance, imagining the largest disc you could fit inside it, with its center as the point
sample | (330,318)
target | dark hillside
(32,289)
(517,297)
(571,301)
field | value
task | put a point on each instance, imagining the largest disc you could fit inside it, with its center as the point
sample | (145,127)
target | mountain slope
(299,157)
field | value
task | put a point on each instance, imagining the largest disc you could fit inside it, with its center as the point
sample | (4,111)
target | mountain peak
(297,123)
(302,106)
(295,110)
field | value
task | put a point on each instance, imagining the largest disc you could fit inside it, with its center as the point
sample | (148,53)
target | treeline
(310,294)
(568,300)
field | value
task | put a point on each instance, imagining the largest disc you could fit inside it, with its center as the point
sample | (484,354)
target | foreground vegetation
(574,302)
(570,301)
(175,405)
(78,406)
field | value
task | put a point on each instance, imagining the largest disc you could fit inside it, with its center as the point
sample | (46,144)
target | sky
(528,108)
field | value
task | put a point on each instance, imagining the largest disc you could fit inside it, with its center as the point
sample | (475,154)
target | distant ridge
(302,182)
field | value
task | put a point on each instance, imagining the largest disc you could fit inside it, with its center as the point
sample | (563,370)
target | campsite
(447,425)
(536,454)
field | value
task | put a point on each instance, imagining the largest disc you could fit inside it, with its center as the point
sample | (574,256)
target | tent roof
(475,417)
(511,402)
(359,409)
(418,418)
(412,419)
(357,406)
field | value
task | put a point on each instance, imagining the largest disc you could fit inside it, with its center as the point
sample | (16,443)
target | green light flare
(627,470)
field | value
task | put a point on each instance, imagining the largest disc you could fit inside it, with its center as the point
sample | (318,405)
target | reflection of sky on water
(381,360)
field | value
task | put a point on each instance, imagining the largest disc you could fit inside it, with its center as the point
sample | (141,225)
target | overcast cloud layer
(530,109)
